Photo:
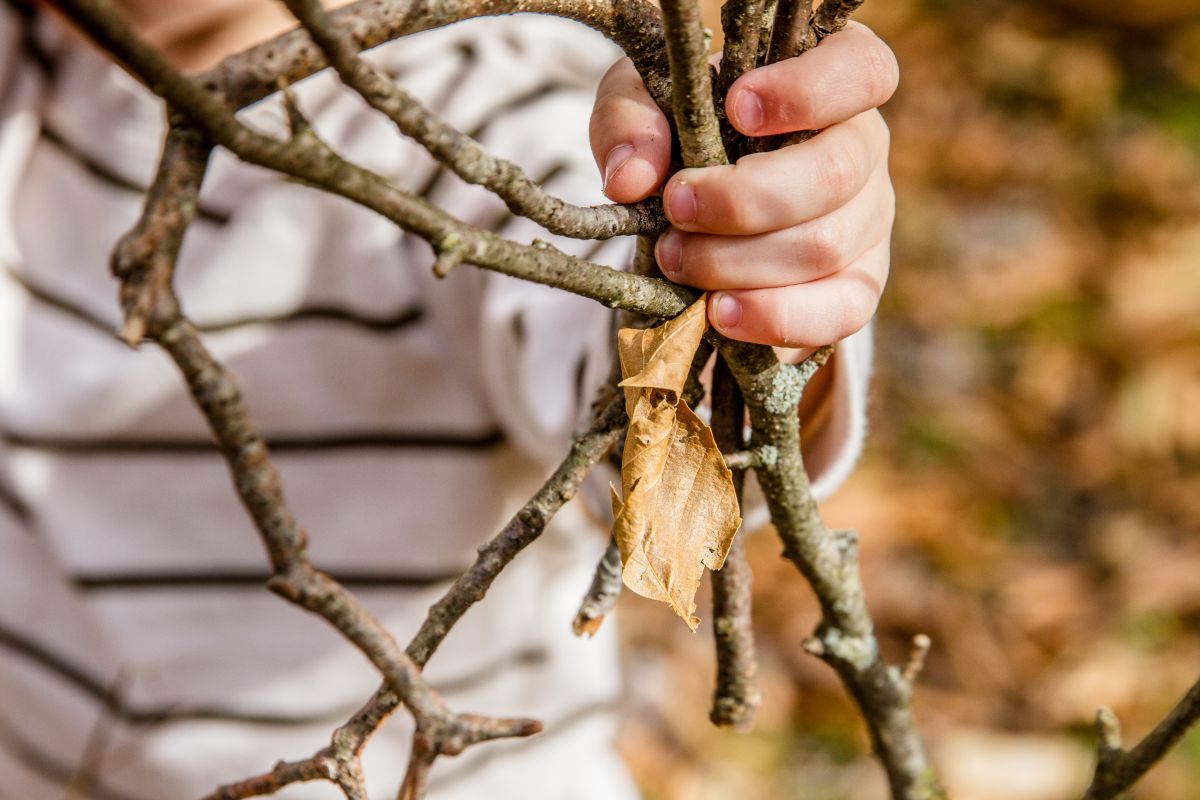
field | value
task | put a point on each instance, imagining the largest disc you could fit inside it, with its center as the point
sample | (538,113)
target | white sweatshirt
(409,418)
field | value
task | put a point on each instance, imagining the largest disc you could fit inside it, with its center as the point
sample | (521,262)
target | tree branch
(247,77)
(307,158)
(772,392)
(831,17)
(791,34)
(845,638)
(691,86)
(602,595)
(741,20)
(144,262)
(1116,768)
(320,767)
(462,154)
(736,697)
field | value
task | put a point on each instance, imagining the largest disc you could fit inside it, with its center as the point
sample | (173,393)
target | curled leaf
(678,511)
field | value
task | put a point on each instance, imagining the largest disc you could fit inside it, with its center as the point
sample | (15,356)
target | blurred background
(1030,495)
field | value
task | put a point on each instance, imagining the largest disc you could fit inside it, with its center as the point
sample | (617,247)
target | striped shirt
(409,418)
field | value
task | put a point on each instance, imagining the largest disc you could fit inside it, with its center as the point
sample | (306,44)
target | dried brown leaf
(679,511)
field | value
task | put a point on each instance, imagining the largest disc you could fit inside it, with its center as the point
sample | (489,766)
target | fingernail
(681,203)
(613,162)
(747,112)
(727,311)
(670,251)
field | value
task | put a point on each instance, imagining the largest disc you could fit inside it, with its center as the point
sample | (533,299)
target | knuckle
(837,168)
(858,306)
(882,133)
(881,72)
(889,204)
(824,245)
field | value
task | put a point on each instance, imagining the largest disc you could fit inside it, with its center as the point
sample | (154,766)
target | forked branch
(1117,768)
(144,261)
(845,638)
(462,154)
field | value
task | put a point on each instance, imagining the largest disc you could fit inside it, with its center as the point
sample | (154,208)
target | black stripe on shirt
(505,217)
(250,579)
(63,669)
(470,57)
(72,673)
(76,312)
(392,323)
(49,766)
(513,106)
(30,46)
(14,505)
(106,174)
(378,324)
(525,657)
(402,319)
(485,440)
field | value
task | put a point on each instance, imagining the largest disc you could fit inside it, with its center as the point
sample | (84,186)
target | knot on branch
(297,582)
(147,299)
(451,251)
(763,456)
(846,542)
(835,647)
(532,517)
(787,384)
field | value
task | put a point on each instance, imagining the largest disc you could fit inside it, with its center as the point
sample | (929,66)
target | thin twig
(798,30)
(317,768)
(462,154)
(144,261)
(766,27)
(832,16)
(247,77)
(741,20)
(828,559)
(83,781)
(521,531)
(691,85)
(736,697)
(790,35)
(1116,768)
(845,638)
(602,595)
(751,459)
(916,659)
(306,158)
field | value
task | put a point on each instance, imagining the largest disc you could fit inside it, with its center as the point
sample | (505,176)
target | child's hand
(794,243)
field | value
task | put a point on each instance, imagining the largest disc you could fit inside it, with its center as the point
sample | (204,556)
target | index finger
(630,136)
